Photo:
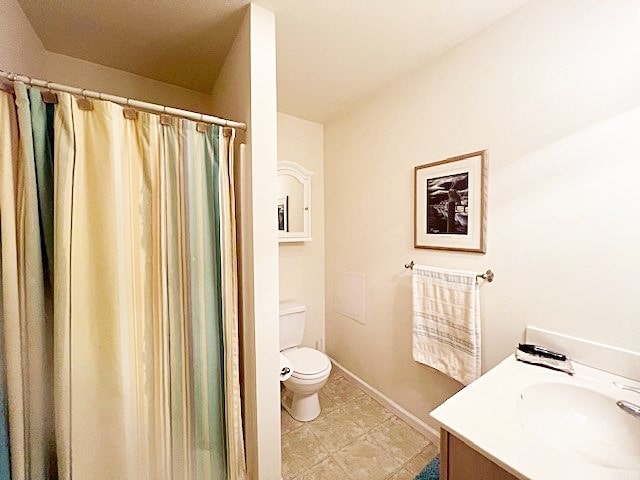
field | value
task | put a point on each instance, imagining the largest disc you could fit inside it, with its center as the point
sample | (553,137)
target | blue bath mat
(431,471)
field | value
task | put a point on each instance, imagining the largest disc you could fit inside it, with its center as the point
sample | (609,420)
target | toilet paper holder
(285,368)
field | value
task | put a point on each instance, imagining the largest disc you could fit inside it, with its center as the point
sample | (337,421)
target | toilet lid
(307,361)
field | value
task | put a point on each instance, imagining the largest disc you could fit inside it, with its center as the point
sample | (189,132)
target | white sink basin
(541,424)
(582,423)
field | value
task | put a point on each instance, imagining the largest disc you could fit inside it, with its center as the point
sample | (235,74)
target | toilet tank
(293,316)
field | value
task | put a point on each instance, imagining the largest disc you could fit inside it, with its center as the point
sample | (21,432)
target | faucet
(628,407)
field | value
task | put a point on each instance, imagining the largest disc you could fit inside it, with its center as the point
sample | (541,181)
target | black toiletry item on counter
(541,352)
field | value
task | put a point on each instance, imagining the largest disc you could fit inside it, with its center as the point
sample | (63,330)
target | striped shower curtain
(119,294)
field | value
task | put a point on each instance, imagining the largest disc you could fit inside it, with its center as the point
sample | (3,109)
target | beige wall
(564,215)
(21,50)
(246,90)
(264,159)
(92,76)
(302,263)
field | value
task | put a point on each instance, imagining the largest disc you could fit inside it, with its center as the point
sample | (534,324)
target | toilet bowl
(310,368)
(310,372)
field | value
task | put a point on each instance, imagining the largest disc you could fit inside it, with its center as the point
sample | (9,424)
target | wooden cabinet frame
(458,461)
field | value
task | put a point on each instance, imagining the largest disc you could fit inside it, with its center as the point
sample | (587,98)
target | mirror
(294,202)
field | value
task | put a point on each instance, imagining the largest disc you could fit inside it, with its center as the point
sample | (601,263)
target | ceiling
(331,53)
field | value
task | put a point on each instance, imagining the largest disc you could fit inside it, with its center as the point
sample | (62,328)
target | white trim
(431,433)
(294,169)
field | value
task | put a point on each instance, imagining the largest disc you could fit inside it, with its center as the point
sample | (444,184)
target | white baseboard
(428,431)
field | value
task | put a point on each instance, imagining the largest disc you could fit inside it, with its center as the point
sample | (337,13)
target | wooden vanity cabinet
(458,461)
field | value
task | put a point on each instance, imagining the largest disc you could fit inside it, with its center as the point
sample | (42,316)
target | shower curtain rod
(152,107)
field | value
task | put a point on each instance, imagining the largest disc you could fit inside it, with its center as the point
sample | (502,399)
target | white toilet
(310,370)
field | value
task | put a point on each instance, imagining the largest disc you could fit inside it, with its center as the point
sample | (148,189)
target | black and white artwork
(449,203)
(283,214)
(447,209)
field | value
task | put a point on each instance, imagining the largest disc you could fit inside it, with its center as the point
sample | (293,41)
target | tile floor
(354,438)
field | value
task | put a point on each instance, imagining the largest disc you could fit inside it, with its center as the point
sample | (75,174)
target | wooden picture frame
(450,204)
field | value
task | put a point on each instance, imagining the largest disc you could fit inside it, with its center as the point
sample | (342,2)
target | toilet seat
(308,363)
(315,376)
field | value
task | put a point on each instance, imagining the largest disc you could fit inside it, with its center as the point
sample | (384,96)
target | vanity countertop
(504,414)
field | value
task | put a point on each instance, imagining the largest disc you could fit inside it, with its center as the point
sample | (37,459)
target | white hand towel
(446,321)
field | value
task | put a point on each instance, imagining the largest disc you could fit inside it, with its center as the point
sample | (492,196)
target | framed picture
(450,203)
(283,213)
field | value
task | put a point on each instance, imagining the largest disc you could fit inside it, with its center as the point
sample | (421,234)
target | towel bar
(488,275)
